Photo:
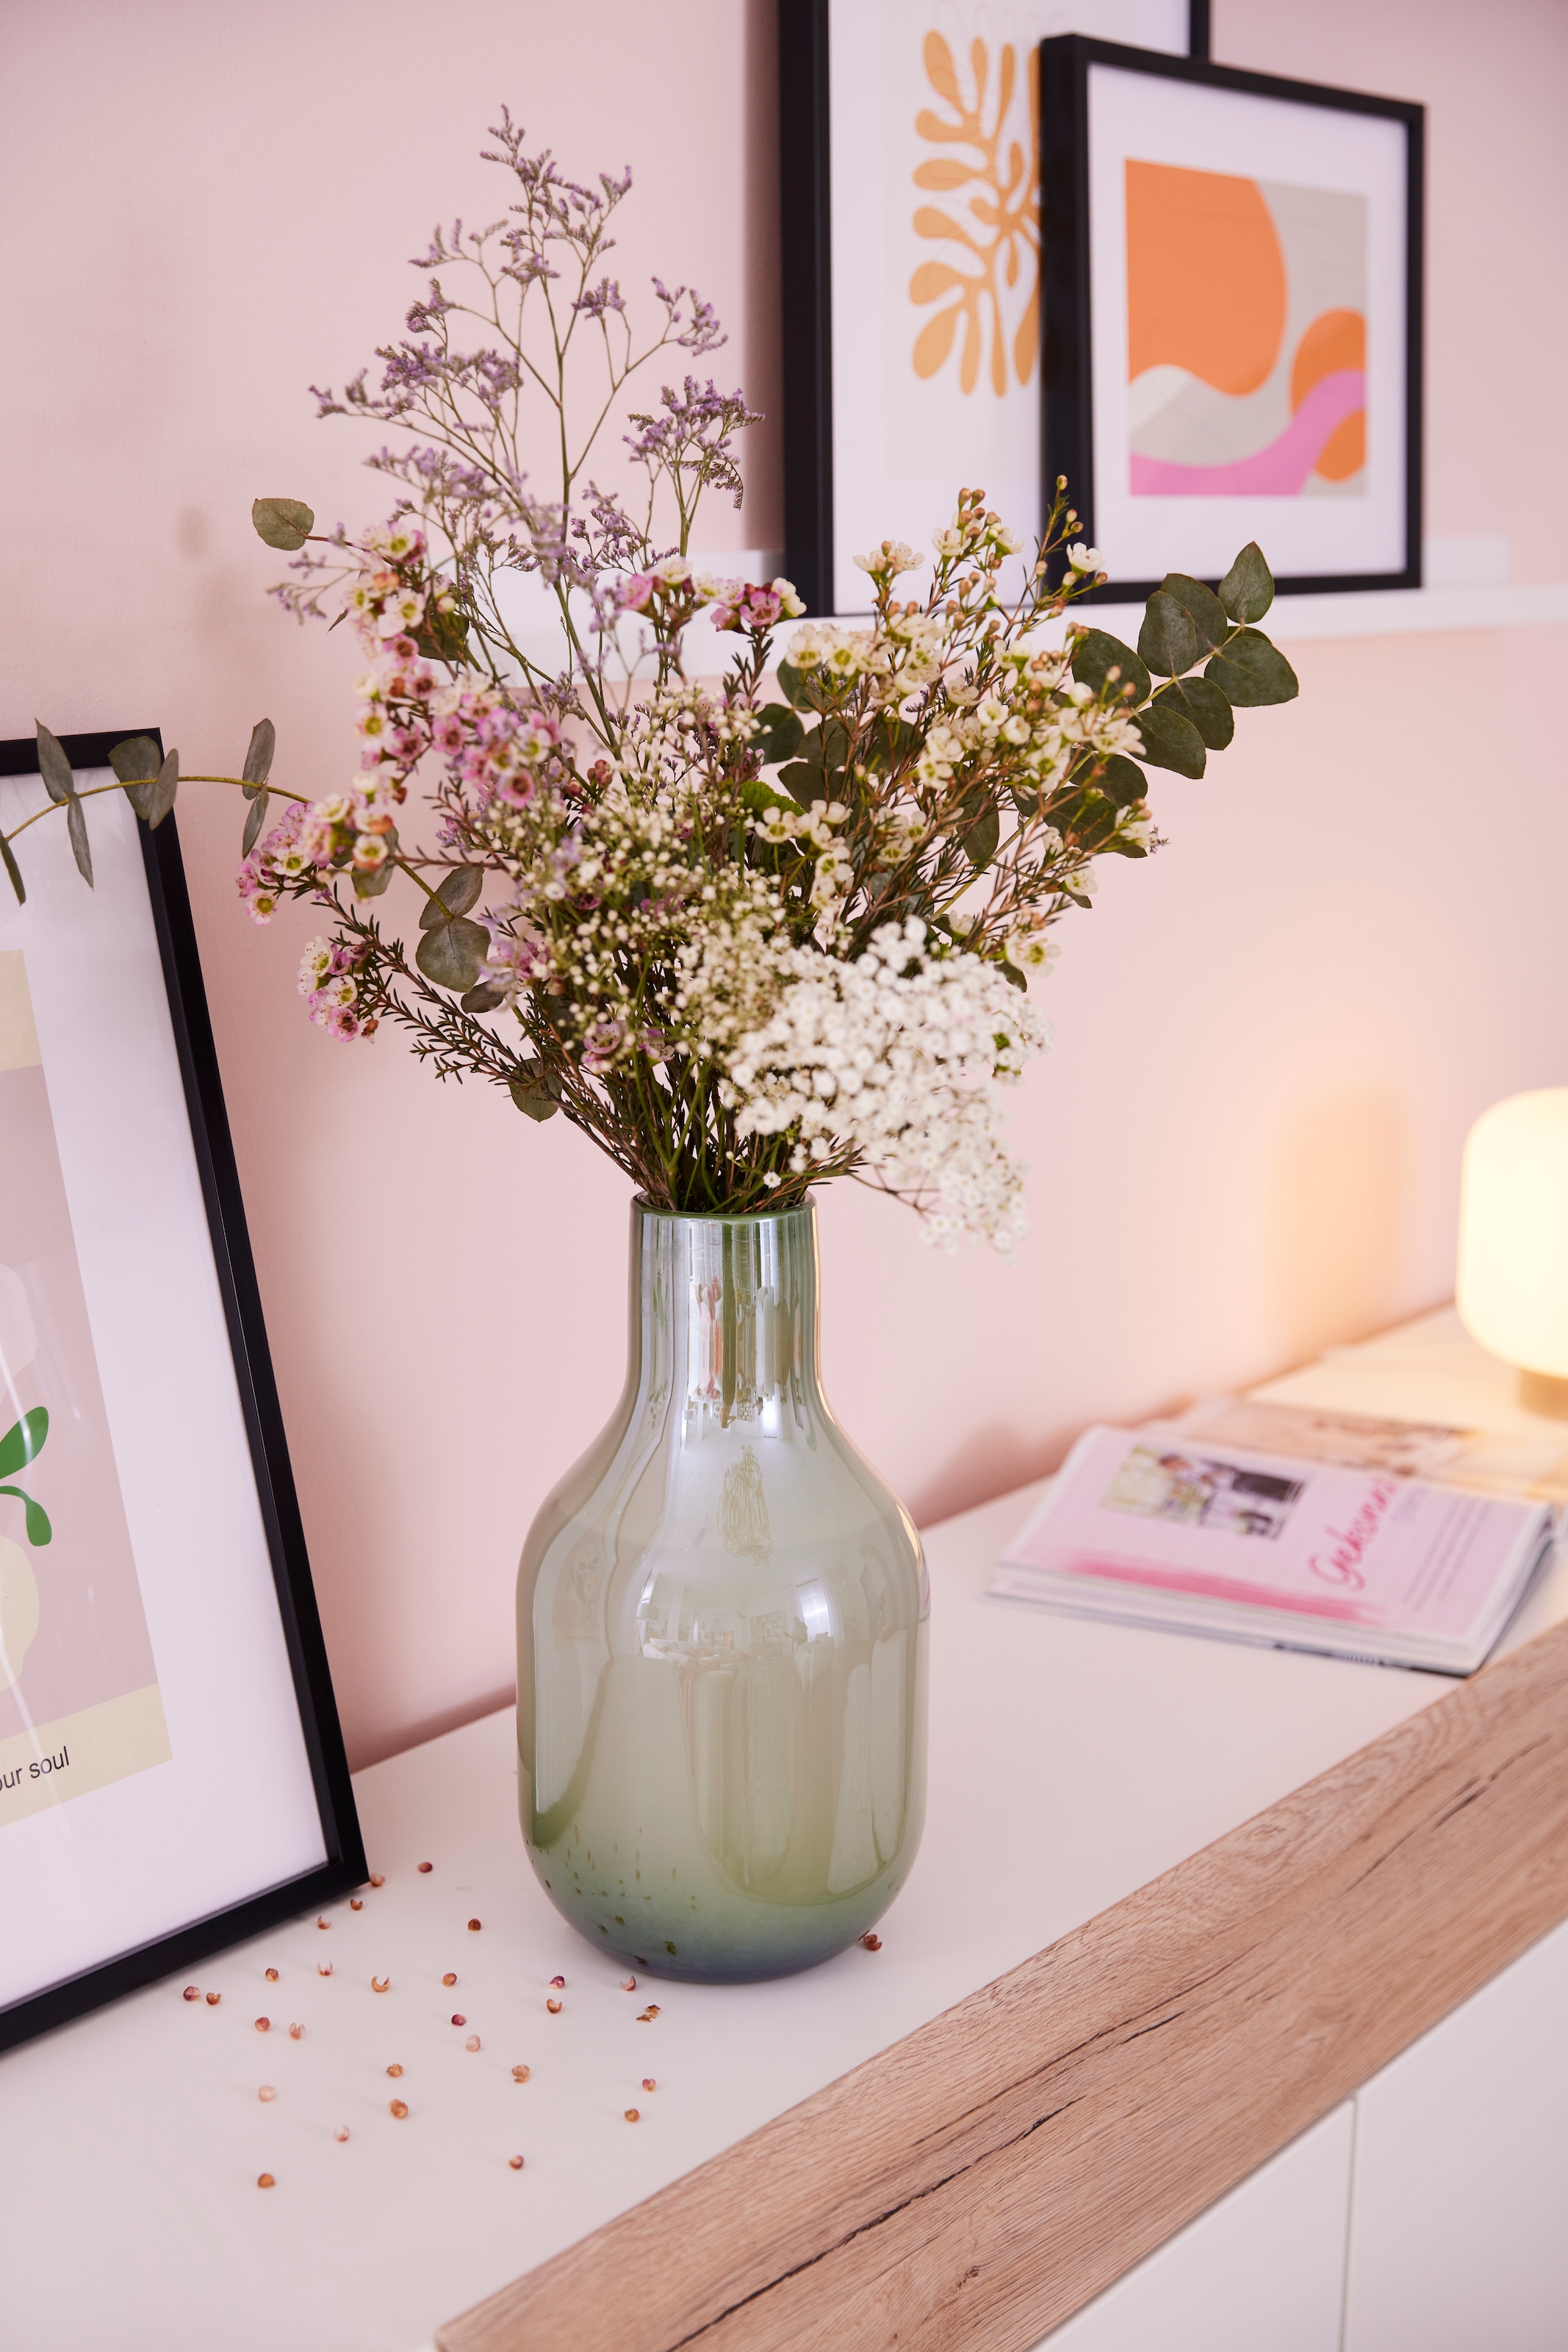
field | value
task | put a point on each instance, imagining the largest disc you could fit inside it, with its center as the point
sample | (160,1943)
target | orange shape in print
(1206,277)
(1333,343)
(991,286)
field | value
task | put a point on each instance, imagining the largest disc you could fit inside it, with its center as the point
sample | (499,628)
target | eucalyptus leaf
(484,996)
(136,762)
(1253,671)
(35,1518)
(1201,605)
(24,1441)
(802,782)
(1122,782)
(161,794)
(1096,653)
(452,953)
(791,685)
(372,883)
(256,817)
(1167,640)
(534,1095)
(1247,590)
(980,832)
(53,765)
(1169,740)
(1205,705)
(285,523)
(454,894)
(1010,971)
(258,759)
(442,637)
(13,871)
(81,848)
(780,734)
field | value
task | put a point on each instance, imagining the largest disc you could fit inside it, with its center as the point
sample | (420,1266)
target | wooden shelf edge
(978,2182)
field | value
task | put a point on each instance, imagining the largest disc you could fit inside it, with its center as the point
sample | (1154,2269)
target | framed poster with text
(910,193)
(1232,277)
(171,1772)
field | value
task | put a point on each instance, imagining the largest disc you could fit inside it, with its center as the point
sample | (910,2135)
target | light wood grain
(978,2182)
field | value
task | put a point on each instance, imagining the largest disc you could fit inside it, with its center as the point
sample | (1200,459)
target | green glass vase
(721,1634)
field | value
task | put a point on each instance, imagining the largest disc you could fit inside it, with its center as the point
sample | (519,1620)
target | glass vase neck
(723,1323)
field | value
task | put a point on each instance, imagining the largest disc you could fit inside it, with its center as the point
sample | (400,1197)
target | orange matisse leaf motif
(995,239)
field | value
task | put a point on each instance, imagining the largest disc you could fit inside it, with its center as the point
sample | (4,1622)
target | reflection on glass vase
(721,1632)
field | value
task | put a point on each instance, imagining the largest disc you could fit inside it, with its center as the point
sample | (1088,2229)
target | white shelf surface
(1070,1763)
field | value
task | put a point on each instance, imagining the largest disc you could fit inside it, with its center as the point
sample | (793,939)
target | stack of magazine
(1397,1543)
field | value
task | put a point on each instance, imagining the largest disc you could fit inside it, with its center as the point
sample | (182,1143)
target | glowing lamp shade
(1512,1287)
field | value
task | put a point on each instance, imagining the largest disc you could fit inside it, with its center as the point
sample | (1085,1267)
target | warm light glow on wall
(1512,1289)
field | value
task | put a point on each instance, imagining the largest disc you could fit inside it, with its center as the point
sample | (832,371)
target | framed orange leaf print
(911,261)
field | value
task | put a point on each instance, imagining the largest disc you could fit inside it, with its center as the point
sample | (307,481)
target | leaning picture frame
(910,263)
(172,1776)
(1232,274)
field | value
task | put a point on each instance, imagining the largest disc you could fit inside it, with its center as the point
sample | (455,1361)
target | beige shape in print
(18,1610)
(18,1339)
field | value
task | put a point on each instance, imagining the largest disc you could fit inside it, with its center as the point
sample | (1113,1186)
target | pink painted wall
(1271,1039)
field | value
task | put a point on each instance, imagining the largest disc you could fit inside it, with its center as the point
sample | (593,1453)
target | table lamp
(1512,1285)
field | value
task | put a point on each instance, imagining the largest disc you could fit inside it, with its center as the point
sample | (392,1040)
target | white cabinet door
(1458,2238)
(1261,2271)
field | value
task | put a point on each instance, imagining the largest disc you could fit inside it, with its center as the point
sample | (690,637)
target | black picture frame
(1065,63)
(806,286)
(235,1266)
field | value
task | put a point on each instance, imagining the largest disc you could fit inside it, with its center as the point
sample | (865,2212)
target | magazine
(1532,1467)
(1160,1527)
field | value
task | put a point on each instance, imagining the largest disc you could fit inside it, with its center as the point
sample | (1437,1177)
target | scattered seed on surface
(871,1943)
(560,1983)
(475,1926)
(394,2070)
(267,2092)
(516,2162)
(472,2042)
(341,2132)
(213,1999)
(272,1976)
(192,1992)
(323,1922)
(425,1867)
(323,1968)
(380,1984)
(263,2025)
(627,1984)
(458,2018)
(634,2114)
(356,1902)
(521,2074)
(450,1977)
(377,1879)
(297,2033)
(649,2084)
(646,2016)
(265,2180)
(553,2007)
(398,2107)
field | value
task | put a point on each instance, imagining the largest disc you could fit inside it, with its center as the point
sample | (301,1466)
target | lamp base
(1543,1393)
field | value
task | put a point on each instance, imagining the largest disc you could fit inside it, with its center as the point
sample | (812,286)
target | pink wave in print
(1280,469)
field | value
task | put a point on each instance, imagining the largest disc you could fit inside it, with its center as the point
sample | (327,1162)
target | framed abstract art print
(1232,282)
(172,1773)
(910,148)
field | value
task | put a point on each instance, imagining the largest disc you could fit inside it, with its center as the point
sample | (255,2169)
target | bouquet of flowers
(748,932)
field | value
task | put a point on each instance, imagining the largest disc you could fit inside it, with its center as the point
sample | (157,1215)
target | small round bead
(394,2070)
(521,2074)
(472,2042)
(627,1984)
(450,1977)
(380,1984)
(560,1983)
(425,1867)
(553,2007)
(649,2084)
(263,2025)
(192,1992)
(267,2093)
(323,1922)
(377,1879)
(516,2162)
(458,2018)
(213,1999)
(398,2107)
(634,2114)
(265,2180)
(323,1968)
(297,2033)
(341,2132)
(356,1902)
(474,1926)
(272,1976)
